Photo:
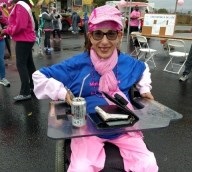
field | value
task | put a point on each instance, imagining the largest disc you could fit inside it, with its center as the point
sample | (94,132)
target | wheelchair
(115,164)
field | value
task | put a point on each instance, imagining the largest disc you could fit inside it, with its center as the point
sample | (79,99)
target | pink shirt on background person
(20,25)
(134,21)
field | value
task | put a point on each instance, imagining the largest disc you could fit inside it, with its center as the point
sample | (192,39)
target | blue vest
(71,72)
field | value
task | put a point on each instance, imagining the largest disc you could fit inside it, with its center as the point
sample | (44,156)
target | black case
(119,108)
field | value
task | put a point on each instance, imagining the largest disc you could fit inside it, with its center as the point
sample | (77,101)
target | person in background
(85,21)
(5,10)
(7,38)
(3,23)
(141,20)
(106,66)
(188,67)
(134,19)
(75,20)
(21,29)
(47,28)
(57,25)
(134,23)
(10,5)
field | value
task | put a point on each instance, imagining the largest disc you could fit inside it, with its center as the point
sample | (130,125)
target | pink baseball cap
(105,13)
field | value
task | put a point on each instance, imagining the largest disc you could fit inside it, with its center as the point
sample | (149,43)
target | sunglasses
(98,35)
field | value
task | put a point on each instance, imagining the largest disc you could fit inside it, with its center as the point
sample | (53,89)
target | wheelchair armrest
(136,104)
(133,93)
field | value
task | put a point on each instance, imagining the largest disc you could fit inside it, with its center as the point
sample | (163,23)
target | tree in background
(162,11)
(98,3)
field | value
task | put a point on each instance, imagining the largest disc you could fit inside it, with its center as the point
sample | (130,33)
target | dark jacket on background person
(35,21)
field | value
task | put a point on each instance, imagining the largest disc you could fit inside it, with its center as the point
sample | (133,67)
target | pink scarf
(108,82)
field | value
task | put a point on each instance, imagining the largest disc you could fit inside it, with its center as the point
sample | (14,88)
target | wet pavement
(25,147)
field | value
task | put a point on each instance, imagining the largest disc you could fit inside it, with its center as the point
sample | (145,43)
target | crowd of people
(51,26)
(23,28)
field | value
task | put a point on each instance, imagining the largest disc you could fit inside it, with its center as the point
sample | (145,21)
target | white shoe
(74,32)
(183,78)
(5,82)
(22,97)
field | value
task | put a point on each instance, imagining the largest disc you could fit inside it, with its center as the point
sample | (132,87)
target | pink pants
(88,154)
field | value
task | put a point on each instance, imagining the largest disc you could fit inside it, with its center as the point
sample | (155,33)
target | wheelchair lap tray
(113,116)
(62,109)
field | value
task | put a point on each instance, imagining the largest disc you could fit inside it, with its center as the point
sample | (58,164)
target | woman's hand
(69,96)
(147,95)
(68,99)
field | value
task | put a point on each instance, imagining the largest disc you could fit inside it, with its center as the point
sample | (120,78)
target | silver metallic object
(78,110)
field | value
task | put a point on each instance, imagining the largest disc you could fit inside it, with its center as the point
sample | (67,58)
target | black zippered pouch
(120,108)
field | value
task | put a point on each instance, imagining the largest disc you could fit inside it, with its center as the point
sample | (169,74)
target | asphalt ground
(25,147)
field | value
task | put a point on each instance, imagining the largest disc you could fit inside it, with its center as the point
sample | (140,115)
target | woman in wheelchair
(111,71)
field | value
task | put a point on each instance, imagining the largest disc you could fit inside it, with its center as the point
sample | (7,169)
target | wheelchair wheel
(60,157)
